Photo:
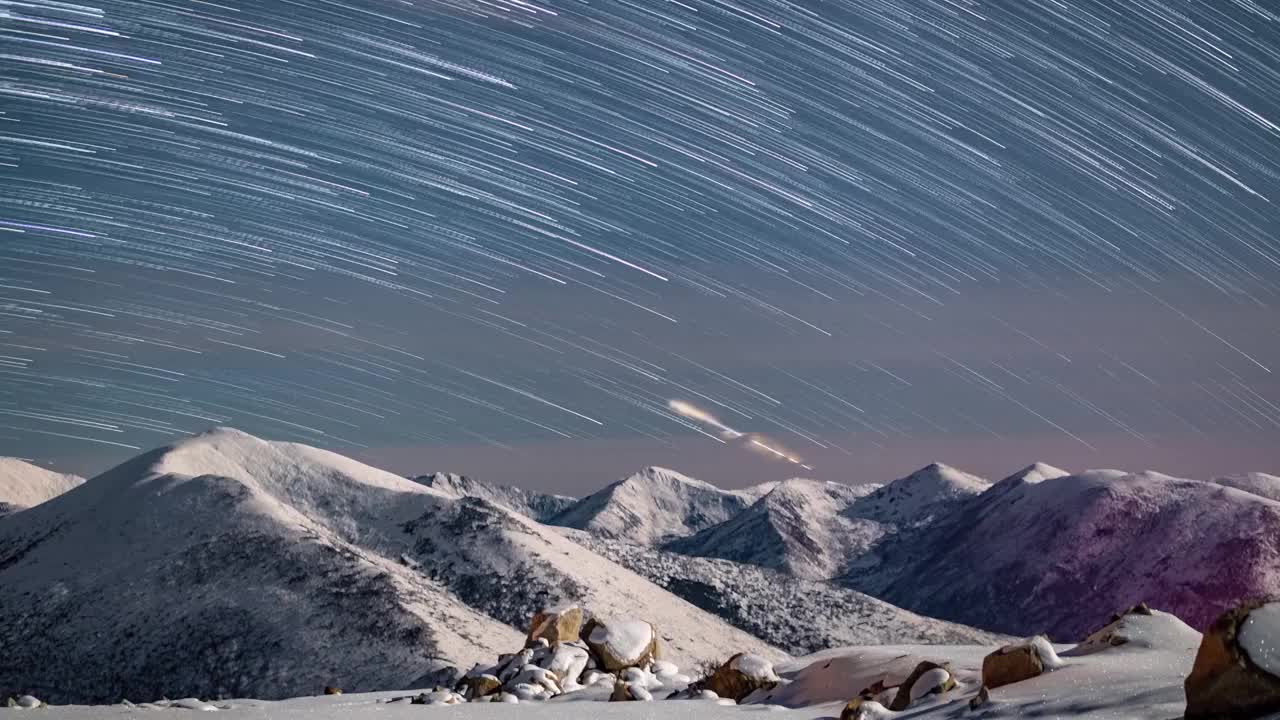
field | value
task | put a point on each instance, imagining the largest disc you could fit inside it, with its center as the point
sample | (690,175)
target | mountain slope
(1053,554)
(23,485)
(799,616)
(227,565)
(651,506)
(539,506)
(800,527)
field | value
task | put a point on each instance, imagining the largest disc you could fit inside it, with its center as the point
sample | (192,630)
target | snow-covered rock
(538,506)
(802,527)
(23,485)
(1058,553)
(652,506)
(623,643)
(1237,667)
(1019,661)
(225,565)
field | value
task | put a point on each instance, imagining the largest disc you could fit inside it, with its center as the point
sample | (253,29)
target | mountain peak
(1036,472)
(652,506)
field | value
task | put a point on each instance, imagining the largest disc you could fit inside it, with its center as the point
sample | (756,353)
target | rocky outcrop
(1234,675)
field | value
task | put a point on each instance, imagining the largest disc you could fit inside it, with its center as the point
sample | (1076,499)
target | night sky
(501,237)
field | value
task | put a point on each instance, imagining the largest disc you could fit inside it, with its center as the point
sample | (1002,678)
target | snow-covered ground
(1139,680)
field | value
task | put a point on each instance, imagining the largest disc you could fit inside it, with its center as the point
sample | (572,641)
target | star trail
(859,228)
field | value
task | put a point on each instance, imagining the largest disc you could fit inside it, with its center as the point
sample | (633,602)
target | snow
(535,505)
(1260,637)
(23,485)
(927,682)
(802,527)
(754,666)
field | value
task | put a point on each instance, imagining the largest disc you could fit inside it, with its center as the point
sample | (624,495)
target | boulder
(481,685)
(1017,662)
(623,643)
(557,625)
(1236,667)
(927,678)
(331,690)
(740,676)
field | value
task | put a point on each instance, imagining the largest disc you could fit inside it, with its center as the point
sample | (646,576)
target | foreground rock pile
(569,650)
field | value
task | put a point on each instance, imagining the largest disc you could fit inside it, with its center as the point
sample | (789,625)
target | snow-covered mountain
(802,527)
(225,565)
(23,485)
(539,506)
(653,506)
(1044,551)
(799,616)
(916,498)
(1260,484)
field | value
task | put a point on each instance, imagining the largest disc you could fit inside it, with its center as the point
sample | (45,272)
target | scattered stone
(331,690)
(1229,679)
(982,698)
(740,676)
(1015,663)
(557,625)
(927,678)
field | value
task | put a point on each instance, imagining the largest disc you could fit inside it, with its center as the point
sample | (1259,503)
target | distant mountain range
(229,565)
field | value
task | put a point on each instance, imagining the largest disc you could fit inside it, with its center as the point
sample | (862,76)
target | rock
(623,643)
(1229,679)
(331,690)
(27,701)
(625,692)
(982,698)
(928,677)
(740,676)
(1012,663)
(863,709)
(481,685)
(540,678)
(568,661)
(556,625)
